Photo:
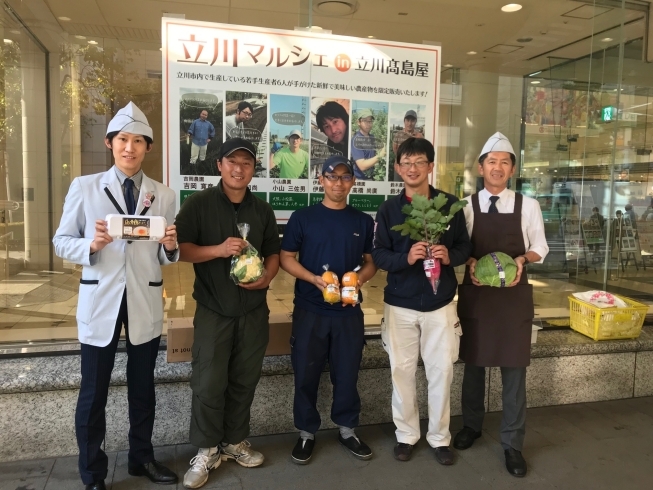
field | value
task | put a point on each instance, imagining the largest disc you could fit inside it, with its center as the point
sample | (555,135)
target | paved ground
(606,445)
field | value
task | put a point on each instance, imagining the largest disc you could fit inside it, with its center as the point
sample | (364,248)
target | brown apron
(496,322)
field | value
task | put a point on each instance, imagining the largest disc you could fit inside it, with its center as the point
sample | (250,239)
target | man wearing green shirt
(292,160)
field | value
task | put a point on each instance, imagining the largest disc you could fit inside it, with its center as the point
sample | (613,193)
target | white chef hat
(497,142)
(130,119)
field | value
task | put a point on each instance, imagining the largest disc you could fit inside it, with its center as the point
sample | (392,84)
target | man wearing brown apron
(497,322)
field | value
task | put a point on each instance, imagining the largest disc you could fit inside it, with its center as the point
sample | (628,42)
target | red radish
(432,269)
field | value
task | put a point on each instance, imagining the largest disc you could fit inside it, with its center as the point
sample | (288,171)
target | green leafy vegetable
(487,272)
(426,221)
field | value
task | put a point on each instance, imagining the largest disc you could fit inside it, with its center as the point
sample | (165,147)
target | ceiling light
(536,73)
(80,37)
(370,37)
(8,41)
(471,52)
(92,42)
(64,19)
(15,31)
(511,7)
(448,65)
(606,39)
(535,82)
(524,39)
(316,28)
(335,8)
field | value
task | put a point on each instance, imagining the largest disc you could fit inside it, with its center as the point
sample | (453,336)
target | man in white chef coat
(120,285)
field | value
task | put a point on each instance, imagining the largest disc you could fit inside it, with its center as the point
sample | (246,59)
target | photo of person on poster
(406,121)
(289,126)
(200,130)
(329,130)
(246,116)
(369,139)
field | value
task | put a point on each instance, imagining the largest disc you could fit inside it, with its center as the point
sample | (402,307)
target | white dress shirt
(532,223)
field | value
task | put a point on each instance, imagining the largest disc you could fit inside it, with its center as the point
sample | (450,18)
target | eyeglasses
(334,178)
(419,164)
(248,115)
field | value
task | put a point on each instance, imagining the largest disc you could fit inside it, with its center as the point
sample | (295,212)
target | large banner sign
(299,97)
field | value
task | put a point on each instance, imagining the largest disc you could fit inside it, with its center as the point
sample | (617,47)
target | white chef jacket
(532,223)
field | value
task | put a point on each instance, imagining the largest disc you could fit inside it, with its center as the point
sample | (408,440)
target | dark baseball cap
(229,146)
(411,113)
(332,162)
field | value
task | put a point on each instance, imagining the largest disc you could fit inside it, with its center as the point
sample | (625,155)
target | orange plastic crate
(607,323)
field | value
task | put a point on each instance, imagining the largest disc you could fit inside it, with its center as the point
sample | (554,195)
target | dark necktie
(493,204)
(129,196)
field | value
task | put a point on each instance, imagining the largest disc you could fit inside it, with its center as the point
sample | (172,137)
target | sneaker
(356,447)
(303,450)
(242,453)
(198,473)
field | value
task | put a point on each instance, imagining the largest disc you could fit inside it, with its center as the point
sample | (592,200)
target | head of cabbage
(487,272)
(247,268)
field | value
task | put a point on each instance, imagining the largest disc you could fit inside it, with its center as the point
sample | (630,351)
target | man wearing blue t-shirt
(201,132)
(334,233)
(363,147)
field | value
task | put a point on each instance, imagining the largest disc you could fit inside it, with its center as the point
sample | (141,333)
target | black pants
(90,417)
(513,420)
(316,339)
(228,357)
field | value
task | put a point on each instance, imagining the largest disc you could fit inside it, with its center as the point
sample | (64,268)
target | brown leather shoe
(403,451)
(443,455)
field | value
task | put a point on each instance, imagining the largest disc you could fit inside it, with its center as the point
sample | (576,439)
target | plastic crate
(607,323)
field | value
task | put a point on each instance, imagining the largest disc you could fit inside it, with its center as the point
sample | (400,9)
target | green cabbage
(487,272)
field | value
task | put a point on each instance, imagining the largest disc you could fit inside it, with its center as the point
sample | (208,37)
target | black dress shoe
(155,471)
(465,438)
(443,455)
(403,451)
(303,451)
(356,447)
(96,486)
(515,462)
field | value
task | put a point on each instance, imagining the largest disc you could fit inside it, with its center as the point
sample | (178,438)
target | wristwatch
(526,261)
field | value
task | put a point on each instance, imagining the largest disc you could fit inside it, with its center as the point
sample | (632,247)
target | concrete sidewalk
(605,445)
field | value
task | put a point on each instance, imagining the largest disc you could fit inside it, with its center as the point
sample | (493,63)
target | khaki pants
(228,356)
(436,335)
(197,151)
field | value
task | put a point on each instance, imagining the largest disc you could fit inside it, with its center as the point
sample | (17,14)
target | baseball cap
(411,113)
(333,161)
(295,133)
(363,113)
(229,146)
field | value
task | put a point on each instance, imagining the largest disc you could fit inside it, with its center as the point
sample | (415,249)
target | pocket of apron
(484,302)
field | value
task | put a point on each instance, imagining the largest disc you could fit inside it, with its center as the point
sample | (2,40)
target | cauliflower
(247,268)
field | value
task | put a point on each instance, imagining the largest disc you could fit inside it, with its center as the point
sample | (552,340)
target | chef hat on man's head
(497,142)
(130,119)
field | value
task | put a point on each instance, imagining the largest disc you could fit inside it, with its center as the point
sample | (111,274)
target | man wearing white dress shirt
(499,220)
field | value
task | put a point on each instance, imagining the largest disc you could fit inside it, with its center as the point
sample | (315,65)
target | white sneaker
(205,461)
(242,453)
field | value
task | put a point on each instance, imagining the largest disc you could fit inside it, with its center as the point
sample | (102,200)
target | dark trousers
(90,417)
(513,421)
(316,339)
(228,356)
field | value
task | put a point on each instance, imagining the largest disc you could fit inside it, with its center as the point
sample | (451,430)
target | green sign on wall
(183,195)
(366,202)
(608,114)
(286,201)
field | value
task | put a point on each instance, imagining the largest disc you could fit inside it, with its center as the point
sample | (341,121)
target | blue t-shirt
(363,148)
(320,235)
